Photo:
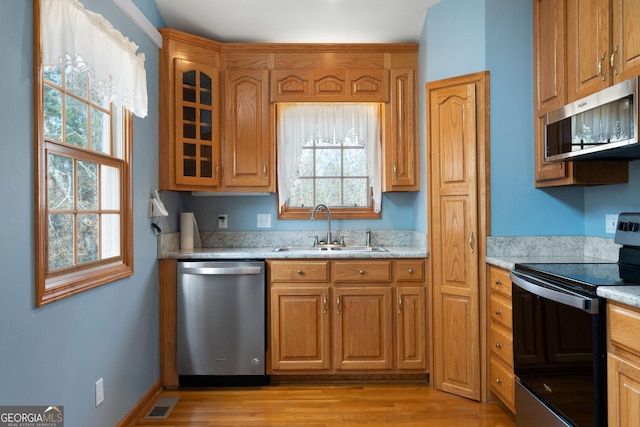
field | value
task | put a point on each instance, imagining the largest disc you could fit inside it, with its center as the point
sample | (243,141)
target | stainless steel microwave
(602,126)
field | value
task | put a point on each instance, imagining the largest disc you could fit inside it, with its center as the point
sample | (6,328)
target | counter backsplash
(238,239)
(544,246)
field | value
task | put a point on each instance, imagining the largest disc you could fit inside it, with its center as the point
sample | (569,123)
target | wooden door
(624,392)
(588,52)
(363,331)
(248,142)
(457,140)
(410,328)
(625,54)
(299,334)
(197,130)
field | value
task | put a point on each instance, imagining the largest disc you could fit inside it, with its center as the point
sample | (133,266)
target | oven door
(559,353)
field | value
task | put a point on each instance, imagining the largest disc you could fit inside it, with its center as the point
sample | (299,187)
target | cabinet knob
(410,271)
(498,312)
(300,272)
(498,282)
(498,345)
(361,272)
(498,381)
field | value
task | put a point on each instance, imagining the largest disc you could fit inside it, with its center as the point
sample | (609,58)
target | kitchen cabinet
(458,156)
(189,139)
(554,69)
(603,46)
(347,316)
(329,85)
(249,148)
(401,151)
(623,359)
(501,377)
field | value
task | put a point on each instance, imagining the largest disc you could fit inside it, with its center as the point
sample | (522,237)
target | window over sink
(329,153)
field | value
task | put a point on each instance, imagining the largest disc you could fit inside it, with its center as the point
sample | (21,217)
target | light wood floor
(329,405)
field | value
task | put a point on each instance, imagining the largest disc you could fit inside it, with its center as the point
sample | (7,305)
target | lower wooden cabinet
(365,316)
(501,376)
(623,370)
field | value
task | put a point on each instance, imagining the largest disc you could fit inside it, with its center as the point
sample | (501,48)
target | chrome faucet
(313,217)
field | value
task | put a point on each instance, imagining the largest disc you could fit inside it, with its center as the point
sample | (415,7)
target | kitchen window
(329,153)
(83,146)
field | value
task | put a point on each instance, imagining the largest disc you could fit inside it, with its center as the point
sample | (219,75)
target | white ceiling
(299,21)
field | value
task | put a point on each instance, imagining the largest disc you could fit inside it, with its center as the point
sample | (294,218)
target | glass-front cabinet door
(197,128)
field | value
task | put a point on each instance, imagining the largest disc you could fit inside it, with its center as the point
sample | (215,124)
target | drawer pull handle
(361,272)
(410,271)
(498,282)
(300,272)
(498,345)
(324,302)
(498,312)
(338,304)
(400,304)
(498,381)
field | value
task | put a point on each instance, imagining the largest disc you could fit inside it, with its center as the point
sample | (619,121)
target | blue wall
(55,354)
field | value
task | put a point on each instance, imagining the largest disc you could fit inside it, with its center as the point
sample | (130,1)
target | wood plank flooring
(329,405)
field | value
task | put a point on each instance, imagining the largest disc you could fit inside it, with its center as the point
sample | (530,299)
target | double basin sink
(329,248)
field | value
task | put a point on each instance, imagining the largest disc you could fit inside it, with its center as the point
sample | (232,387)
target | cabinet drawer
(298,271)
(503,383)
(624,324)
(410,270)
(501,342)
(500,310)
(362,271)
(499,280)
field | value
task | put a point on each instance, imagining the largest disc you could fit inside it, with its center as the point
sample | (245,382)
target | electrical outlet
(264,220)
(223,221)
(99,392)
(611,221)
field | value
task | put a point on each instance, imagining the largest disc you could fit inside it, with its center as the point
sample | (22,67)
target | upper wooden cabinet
(603,44)
(189,139)
(332,85)
(222,137)
(249,152)
(565,35)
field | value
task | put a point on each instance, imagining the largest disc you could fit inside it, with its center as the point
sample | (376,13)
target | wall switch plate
(611,221)
(223,221)
(99,392)
(264,220)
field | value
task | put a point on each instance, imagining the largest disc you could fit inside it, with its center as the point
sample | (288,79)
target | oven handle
(590,305)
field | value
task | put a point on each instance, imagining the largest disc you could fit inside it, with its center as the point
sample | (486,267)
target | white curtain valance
(333,123)
(73,36)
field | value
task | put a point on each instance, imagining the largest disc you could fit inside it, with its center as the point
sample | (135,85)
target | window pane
(302,193)
(52,114)
(60,182)
(329,192)
(77,123)
(99,98)
(328,162)
(87,185)
(87,238)
(356,192)
(110,235)
(305,166)
(355,162)
(100,131)
(110,187)
(60,241)
(77,82)
(53,75)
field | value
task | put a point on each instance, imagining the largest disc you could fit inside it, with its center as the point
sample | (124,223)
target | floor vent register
(162,408)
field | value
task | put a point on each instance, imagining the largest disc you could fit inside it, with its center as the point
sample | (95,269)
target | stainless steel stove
(559,334)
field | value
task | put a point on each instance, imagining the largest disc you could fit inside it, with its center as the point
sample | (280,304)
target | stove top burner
(587,276)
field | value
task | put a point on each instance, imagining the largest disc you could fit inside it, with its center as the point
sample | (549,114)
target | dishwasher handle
(219,271)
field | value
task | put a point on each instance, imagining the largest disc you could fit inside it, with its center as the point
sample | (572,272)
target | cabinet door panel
(363,329)
(626,39)
(300,325)
(410,328)
(248,147)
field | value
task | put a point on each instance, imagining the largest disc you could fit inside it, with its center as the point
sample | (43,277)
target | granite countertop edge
(268,253)
(629,295)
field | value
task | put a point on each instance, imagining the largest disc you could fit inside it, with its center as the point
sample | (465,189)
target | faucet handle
(316,242)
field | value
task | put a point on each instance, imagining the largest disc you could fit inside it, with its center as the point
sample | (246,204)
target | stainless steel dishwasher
(221,334)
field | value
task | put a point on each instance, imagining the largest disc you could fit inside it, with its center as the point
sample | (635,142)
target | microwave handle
(590,305)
